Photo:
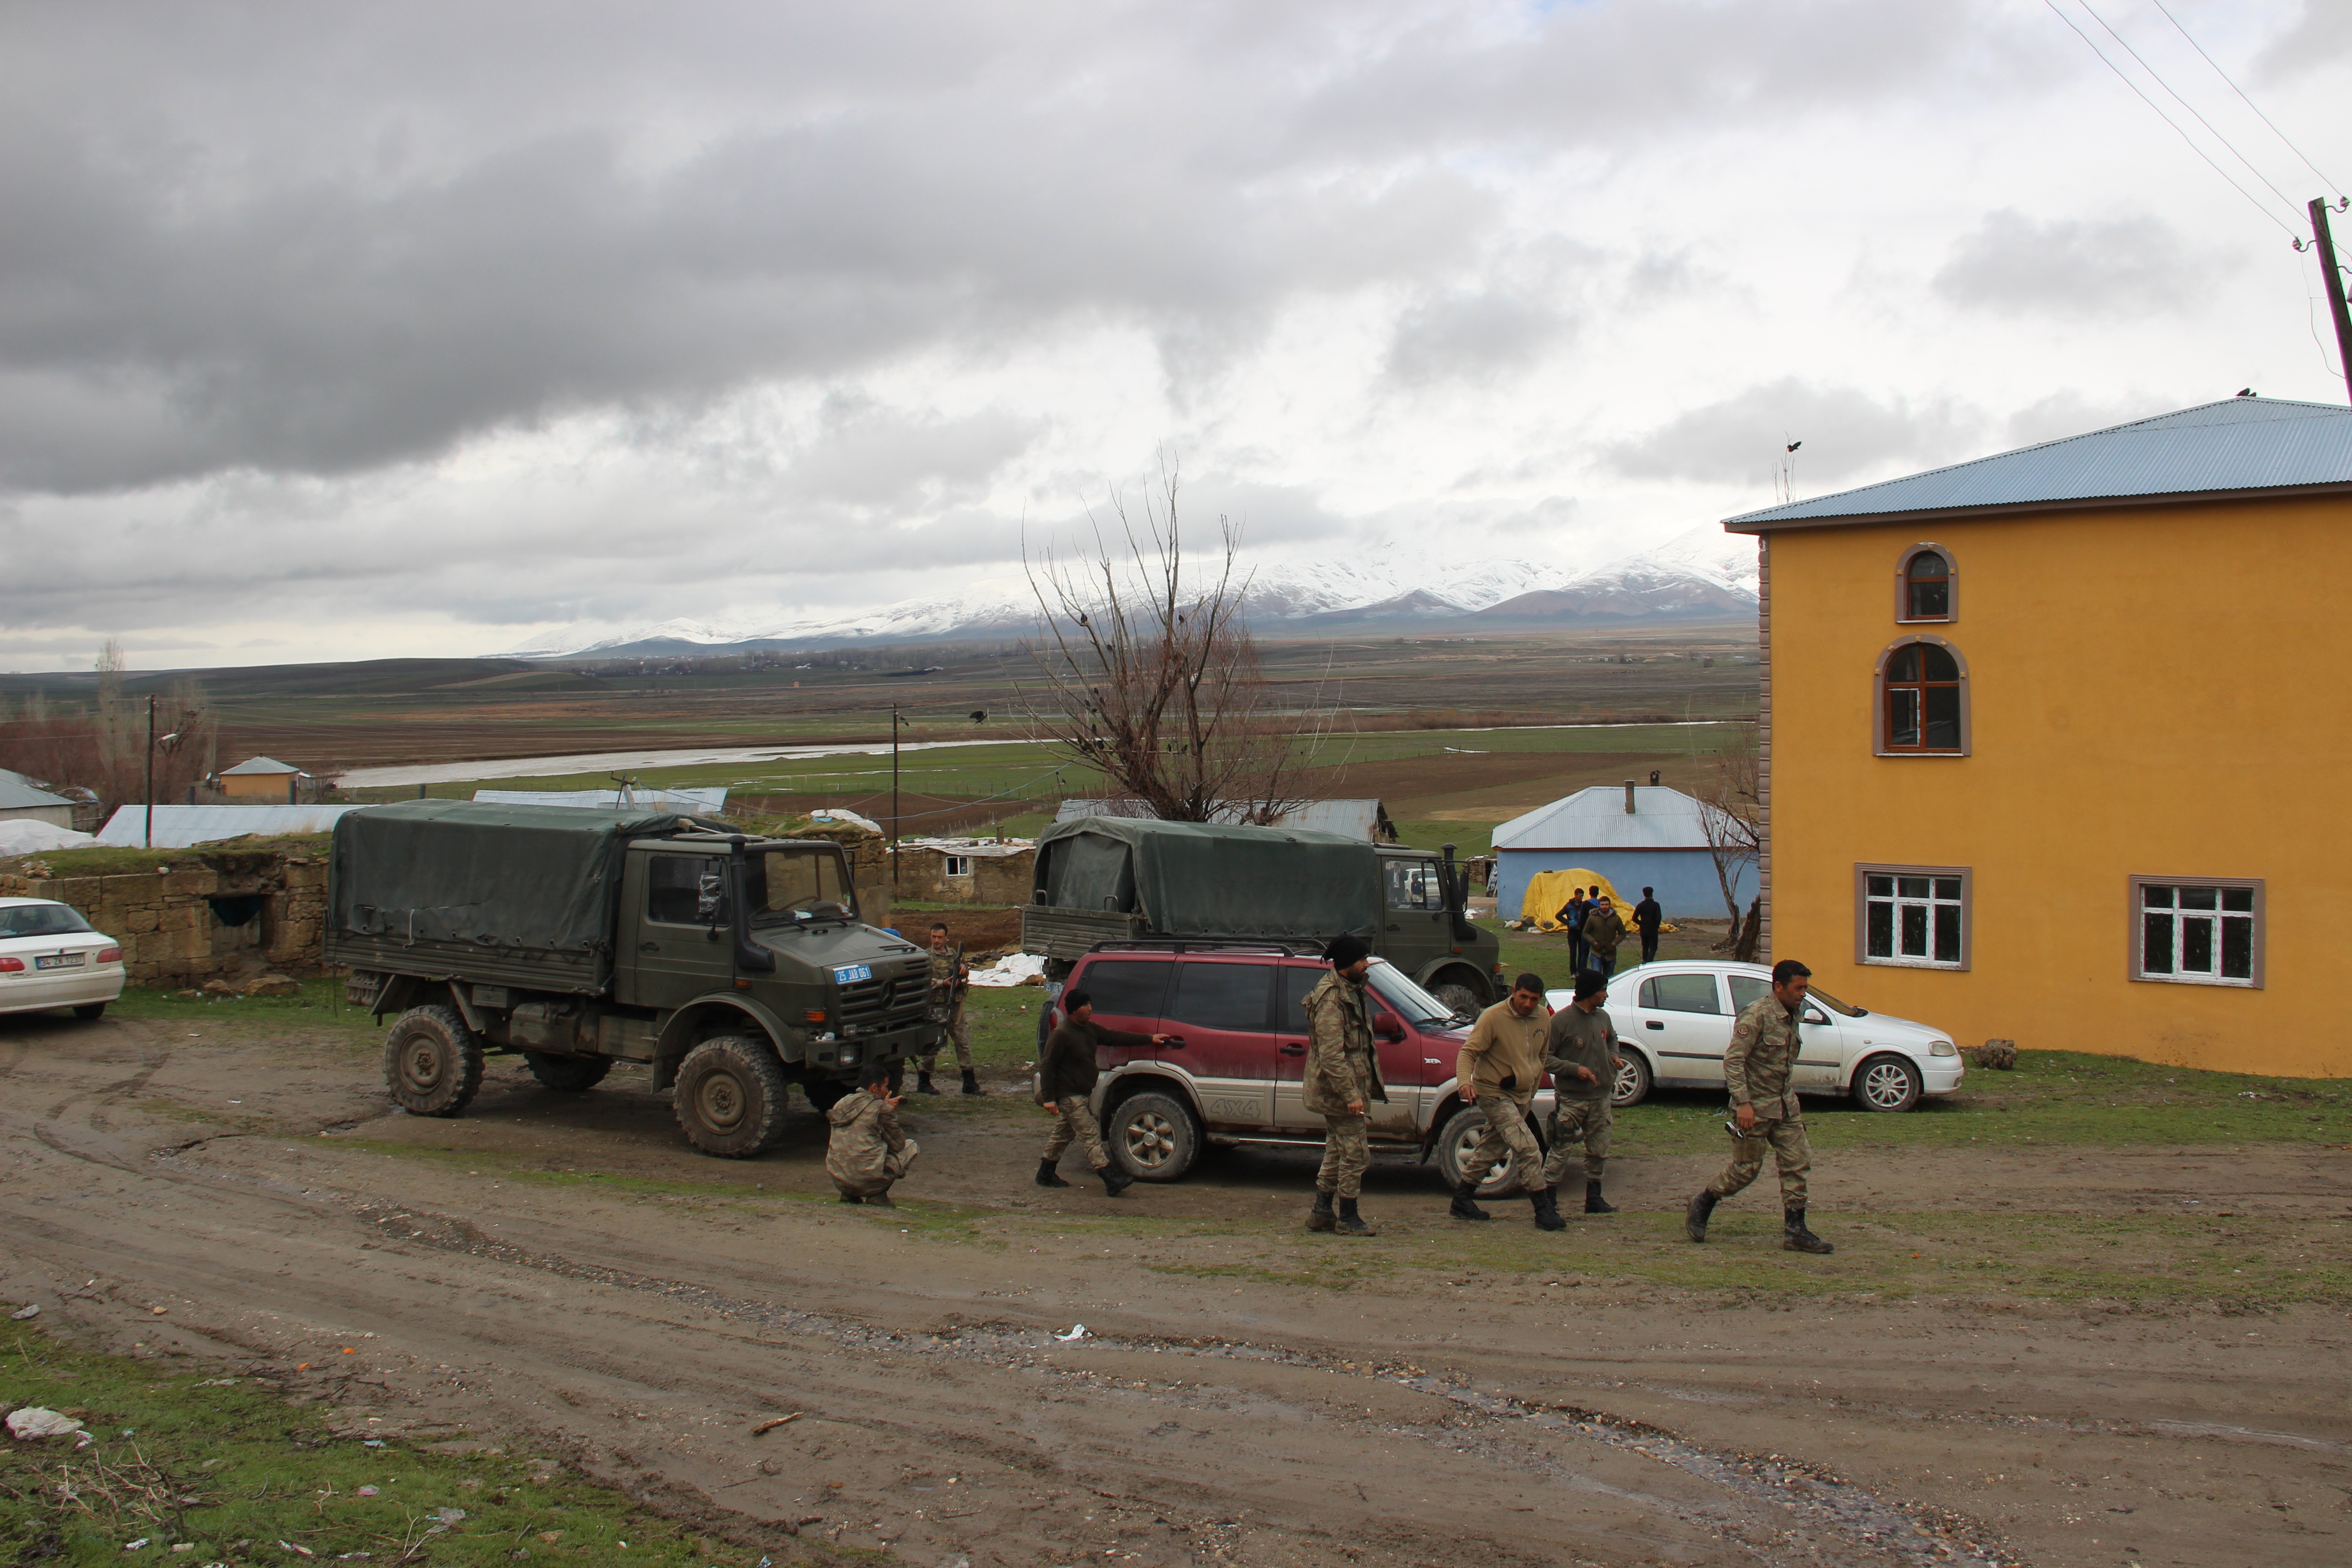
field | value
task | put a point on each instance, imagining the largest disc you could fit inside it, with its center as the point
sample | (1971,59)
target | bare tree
(1730,809)
(1150,673)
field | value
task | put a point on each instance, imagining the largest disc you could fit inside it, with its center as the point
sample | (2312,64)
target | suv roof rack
(1204,944)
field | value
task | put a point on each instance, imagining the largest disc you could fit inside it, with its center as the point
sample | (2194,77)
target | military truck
(1118,878)
(730,965)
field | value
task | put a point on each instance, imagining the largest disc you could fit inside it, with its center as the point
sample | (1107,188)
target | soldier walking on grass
(1341,1080)
(950,979)
(1580,1054)
(1066,1071)
(1756,1069)
(1499,1067)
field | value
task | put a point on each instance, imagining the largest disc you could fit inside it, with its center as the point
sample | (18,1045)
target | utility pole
(2333,282)
(893,798)
(150,770)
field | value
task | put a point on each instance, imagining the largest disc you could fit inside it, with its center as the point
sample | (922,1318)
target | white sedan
(49,957)
(1674,1019)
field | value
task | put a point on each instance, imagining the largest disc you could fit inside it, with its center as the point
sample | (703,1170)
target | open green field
(197,1463)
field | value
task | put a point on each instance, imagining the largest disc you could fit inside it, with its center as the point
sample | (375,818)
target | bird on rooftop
(2245,392)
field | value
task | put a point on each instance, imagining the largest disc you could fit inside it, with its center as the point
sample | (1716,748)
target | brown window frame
(1903,616)
(1864,870)
(2134,951)
(1880,743)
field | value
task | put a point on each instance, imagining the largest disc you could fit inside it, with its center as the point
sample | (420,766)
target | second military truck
(730,965)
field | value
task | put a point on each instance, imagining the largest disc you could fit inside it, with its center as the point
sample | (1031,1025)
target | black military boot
(1350,1222)
(1115,1181)
(1047,1176)
(1546,1203)
(851,1198)
(1795,1238)
(971,1082)
(923,1084)
(881,1199)
(1319,1217)
(1695,1218)
(1464,1206)
(1594,1202)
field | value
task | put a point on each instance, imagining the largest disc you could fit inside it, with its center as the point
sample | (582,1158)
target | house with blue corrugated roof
(1640,836)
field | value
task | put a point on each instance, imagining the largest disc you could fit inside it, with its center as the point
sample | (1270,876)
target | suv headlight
(1943,1049)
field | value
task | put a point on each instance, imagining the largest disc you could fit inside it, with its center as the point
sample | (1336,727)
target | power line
(2157,109)
(2333,184)
(2157,78)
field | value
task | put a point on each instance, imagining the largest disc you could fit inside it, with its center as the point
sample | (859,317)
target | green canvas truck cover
(1197,879)
(528,893)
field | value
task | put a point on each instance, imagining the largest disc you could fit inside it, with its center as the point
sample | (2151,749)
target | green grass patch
(106,860)
(318,1004)
(231,1469)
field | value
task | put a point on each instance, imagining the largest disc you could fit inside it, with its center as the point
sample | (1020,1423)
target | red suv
(1232,1072)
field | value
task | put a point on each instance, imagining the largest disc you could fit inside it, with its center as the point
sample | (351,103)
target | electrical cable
(2157,78)
(2333,184)
(2157,109)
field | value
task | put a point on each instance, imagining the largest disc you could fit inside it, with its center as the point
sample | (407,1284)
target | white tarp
(24,836)
(180,827)
(686,802)
(1012,969)
(834,816)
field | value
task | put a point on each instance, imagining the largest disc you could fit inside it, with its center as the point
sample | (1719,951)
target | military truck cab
(732,966)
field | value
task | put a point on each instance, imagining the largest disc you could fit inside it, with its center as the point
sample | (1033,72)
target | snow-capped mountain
(1703,573)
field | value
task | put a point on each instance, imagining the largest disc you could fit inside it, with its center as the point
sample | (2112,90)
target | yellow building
(2056,747)
(263,778)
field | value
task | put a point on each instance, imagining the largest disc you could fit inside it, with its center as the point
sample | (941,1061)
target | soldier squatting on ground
(1500,1064)
(1580,1054)
(866,1151)
(1341,1080)
(950,978)
(1066,1071)
(1756,1069)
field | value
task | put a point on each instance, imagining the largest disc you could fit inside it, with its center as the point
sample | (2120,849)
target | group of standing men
(1596,930)
(1502,1061)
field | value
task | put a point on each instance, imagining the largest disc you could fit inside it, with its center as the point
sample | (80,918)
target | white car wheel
(1888,1083)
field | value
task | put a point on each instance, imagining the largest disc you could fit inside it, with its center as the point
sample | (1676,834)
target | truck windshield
(1397,989)
(787,885)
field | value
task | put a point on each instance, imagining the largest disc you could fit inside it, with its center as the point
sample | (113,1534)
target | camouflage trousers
(1508,1136)
(1347,1155)
(1571,1120)
(1073,1123)
(1786,1139)
(959,1033)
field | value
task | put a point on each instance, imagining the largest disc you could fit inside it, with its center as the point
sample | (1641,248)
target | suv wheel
(432,1062)
(1458,1141)
(731,1097)
(1154,1136)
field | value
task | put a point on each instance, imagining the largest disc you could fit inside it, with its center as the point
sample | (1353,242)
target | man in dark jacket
(1067,1072)
(1341,1079)
(1571,916)
(1647,919)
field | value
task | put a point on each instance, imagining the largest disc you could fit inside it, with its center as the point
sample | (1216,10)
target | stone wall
(993,879)
(214,914)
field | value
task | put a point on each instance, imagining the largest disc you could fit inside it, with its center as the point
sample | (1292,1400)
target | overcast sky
(335,332)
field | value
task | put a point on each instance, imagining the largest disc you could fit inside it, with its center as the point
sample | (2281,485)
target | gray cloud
(1847,433)
(2127,267)
(1473,335)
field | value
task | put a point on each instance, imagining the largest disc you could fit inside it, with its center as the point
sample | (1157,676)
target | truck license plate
(59,960)
(850,972)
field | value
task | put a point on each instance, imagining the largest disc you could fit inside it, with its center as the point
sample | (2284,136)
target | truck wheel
(1459,998)
(1454,1146)
(432,1062)
(569,1074)
(1154,1136)
(731,1097)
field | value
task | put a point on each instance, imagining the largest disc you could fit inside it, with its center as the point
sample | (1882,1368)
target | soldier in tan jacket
(1499,1067)
(1341,1080)
(866,1152)
(1756,1069)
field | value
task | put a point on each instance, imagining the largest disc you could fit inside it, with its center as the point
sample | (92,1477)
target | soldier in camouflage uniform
(950,978)
(1498,1066)
(1341,1080)
(1756,1069)
(1580,1054)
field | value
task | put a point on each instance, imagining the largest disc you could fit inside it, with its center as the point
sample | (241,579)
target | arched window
(1923,700)
(1926,584)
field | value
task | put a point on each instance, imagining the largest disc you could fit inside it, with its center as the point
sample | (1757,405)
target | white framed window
(1913,916)
(2196,931)
(958,865)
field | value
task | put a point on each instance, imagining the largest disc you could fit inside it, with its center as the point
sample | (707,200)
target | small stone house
(966,870)
(216,913)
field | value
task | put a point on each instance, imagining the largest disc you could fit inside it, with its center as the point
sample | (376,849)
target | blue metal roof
(2237,445)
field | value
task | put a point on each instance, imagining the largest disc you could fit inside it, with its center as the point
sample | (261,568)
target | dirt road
(559,1273)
